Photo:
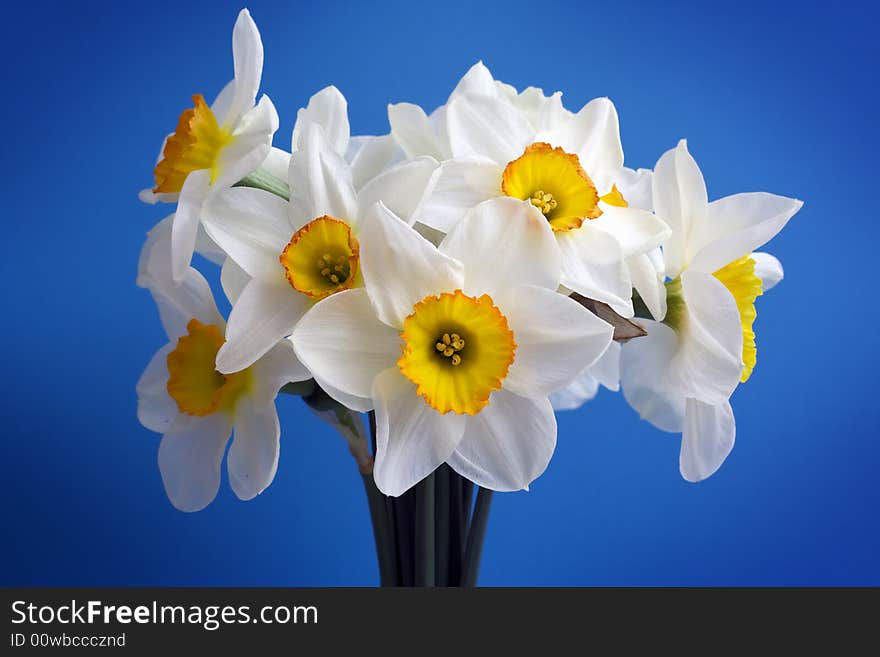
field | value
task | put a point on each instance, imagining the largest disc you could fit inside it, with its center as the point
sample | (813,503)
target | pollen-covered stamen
(543,201)
(336,270)
(449,345)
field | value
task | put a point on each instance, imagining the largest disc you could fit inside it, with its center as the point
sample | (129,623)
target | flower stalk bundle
(458,280)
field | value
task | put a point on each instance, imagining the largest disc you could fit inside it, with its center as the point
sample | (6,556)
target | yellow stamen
(322,258)
(739,277)
(196,144)
(193,382)
(543,201)
(457,350)
(554,182)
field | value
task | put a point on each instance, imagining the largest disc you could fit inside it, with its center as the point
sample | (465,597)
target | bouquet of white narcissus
(457,278)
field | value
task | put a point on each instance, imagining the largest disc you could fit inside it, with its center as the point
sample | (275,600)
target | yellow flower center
(739,277)
(193,382)
(321,258)
(554,182)
(196,144)
(457,350)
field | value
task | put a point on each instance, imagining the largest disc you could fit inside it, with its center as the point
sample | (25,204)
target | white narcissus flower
(367,156)
(194,407)
(417,133)
(681,375)
(458,346)
(215,147)
(530,147)
(295,253)
(647,272)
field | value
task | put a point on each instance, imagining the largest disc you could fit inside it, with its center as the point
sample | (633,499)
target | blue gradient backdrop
(771,96)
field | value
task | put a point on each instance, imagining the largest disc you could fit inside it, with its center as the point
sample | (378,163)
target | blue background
(771,96)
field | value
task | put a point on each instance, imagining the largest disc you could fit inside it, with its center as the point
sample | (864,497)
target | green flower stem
(457,528)
(424,532)
(476,536)
(300,388)
(262,179)
(391,539)
(381,531)
(467,503)
(404,518)
(441,531)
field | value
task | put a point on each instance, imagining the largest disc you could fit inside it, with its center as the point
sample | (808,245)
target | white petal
(605,371)
(354,402)
(477,80)
(594,135)
(189,459)
(635,187)
(401,188)
(508,444)
(461,184)
(401,267)
(341,341)
(369,156)
(550,113)
(251,225)
(438,122)
(709,433)
(646,376)
(638,231)
(160,232)
(502,243)
(247,55)
(768,269)
(412,439)
(649,284)
(486,126)
(593,265)
(266,311)
(680,200)
(178,303)
(278,367)
(710,359)
(320,179)
(556,338)
(413,132)
(328,109)
(223,102)
(233,280)
(156,410)
(253,455)
(251,146)
(186,221)
(739,224)
(148,196)
(207,247)
(277,163)
(584,388)
(191,299)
